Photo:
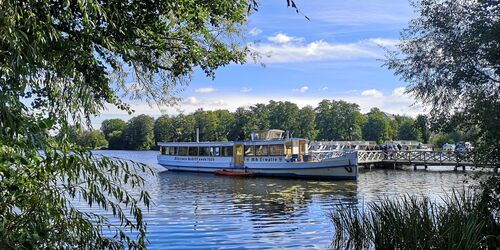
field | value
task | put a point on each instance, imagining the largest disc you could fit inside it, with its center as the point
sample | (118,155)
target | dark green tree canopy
(62,62)
(110,125)
(450,56)
(138,134)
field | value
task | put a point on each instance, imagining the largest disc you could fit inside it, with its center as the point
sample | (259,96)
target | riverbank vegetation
(450,57)
(465,219)
(62,62)
(329,120)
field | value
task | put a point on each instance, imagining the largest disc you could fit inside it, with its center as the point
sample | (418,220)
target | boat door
(238,155)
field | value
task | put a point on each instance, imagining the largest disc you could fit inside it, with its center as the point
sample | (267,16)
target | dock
(379,158)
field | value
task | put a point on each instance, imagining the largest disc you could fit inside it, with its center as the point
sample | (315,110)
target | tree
(226,122)
(71,60)
(184,127)
(241,116)
(450,56)
(407,130)
(284,115)
(116,140)
(422,124)
(139,133)
(93,139)
(164,130)
(110,125)
(337,120)
(376,127)
(257,119)
(307,123)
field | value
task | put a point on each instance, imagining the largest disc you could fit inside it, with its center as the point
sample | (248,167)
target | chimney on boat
(197,134)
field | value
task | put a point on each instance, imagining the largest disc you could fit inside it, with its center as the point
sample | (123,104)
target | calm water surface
(204,211)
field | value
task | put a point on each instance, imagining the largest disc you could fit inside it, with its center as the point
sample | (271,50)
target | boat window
(173,150)
(303,147)
(227,151)
(216,151)
(277,149)
(182,151)
(193,151)
(204,151)
(261,150)
(288,146)
(249,150)
(164,150)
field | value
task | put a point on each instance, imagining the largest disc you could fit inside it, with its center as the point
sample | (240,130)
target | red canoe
(233,173)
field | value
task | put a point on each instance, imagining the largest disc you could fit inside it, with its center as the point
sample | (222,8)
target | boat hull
(342,168)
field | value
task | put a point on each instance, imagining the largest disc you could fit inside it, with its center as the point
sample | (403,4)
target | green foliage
(50,195)
(438,140)
(116,140)
(462,220)
(329,119)
(164,129)
(450,56)
(214,125)
(377,126)
(64,62)
(337,120)
(284,115)
(110,125)
(307,123)
(407,129)
(139,134)
(422,124)
(94,139)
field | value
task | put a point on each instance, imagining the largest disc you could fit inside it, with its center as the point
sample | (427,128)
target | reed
(463,219)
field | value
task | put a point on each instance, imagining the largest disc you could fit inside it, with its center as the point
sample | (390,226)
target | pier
(379,158)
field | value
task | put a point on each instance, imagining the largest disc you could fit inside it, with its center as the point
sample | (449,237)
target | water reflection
(262,197)
(206,211)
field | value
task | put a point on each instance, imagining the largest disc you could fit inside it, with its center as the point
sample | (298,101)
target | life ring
(348,169)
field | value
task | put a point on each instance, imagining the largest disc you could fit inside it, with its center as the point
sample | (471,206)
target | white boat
(266,154)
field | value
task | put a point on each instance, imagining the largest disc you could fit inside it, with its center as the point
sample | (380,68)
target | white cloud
(302,89)
(205,90)
(190,101)
(372,93)
(245,89)
(324,88)
(255,31)
(384,42)
(219,102)
(400,91)
(316,51)
(283,38)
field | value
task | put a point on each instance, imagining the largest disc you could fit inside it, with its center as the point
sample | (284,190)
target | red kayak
(233,173)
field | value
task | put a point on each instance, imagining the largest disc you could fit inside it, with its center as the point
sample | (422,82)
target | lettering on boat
(177,158)
(269,153)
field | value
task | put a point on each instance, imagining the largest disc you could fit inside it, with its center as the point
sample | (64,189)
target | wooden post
(425,166)
(414,166)
(455,168)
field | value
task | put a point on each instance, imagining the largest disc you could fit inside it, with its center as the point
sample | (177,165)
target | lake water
(204,211)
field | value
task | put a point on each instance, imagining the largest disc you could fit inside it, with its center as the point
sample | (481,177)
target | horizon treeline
(329,120)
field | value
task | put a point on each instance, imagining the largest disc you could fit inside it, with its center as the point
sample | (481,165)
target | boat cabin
(264,145)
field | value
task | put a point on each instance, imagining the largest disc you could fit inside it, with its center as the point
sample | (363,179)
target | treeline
(330,120)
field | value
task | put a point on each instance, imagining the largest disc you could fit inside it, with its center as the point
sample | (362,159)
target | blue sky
(335,55)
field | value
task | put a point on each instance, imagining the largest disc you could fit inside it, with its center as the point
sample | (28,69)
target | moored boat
(266,154)
(234,173)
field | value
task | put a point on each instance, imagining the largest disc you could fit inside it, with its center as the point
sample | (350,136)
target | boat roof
(226,143)
(196,144)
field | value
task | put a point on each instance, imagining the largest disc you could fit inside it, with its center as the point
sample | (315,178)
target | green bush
(467,219)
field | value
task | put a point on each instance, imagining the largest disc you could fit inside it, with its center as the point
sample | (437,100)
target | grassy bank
(466,219)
